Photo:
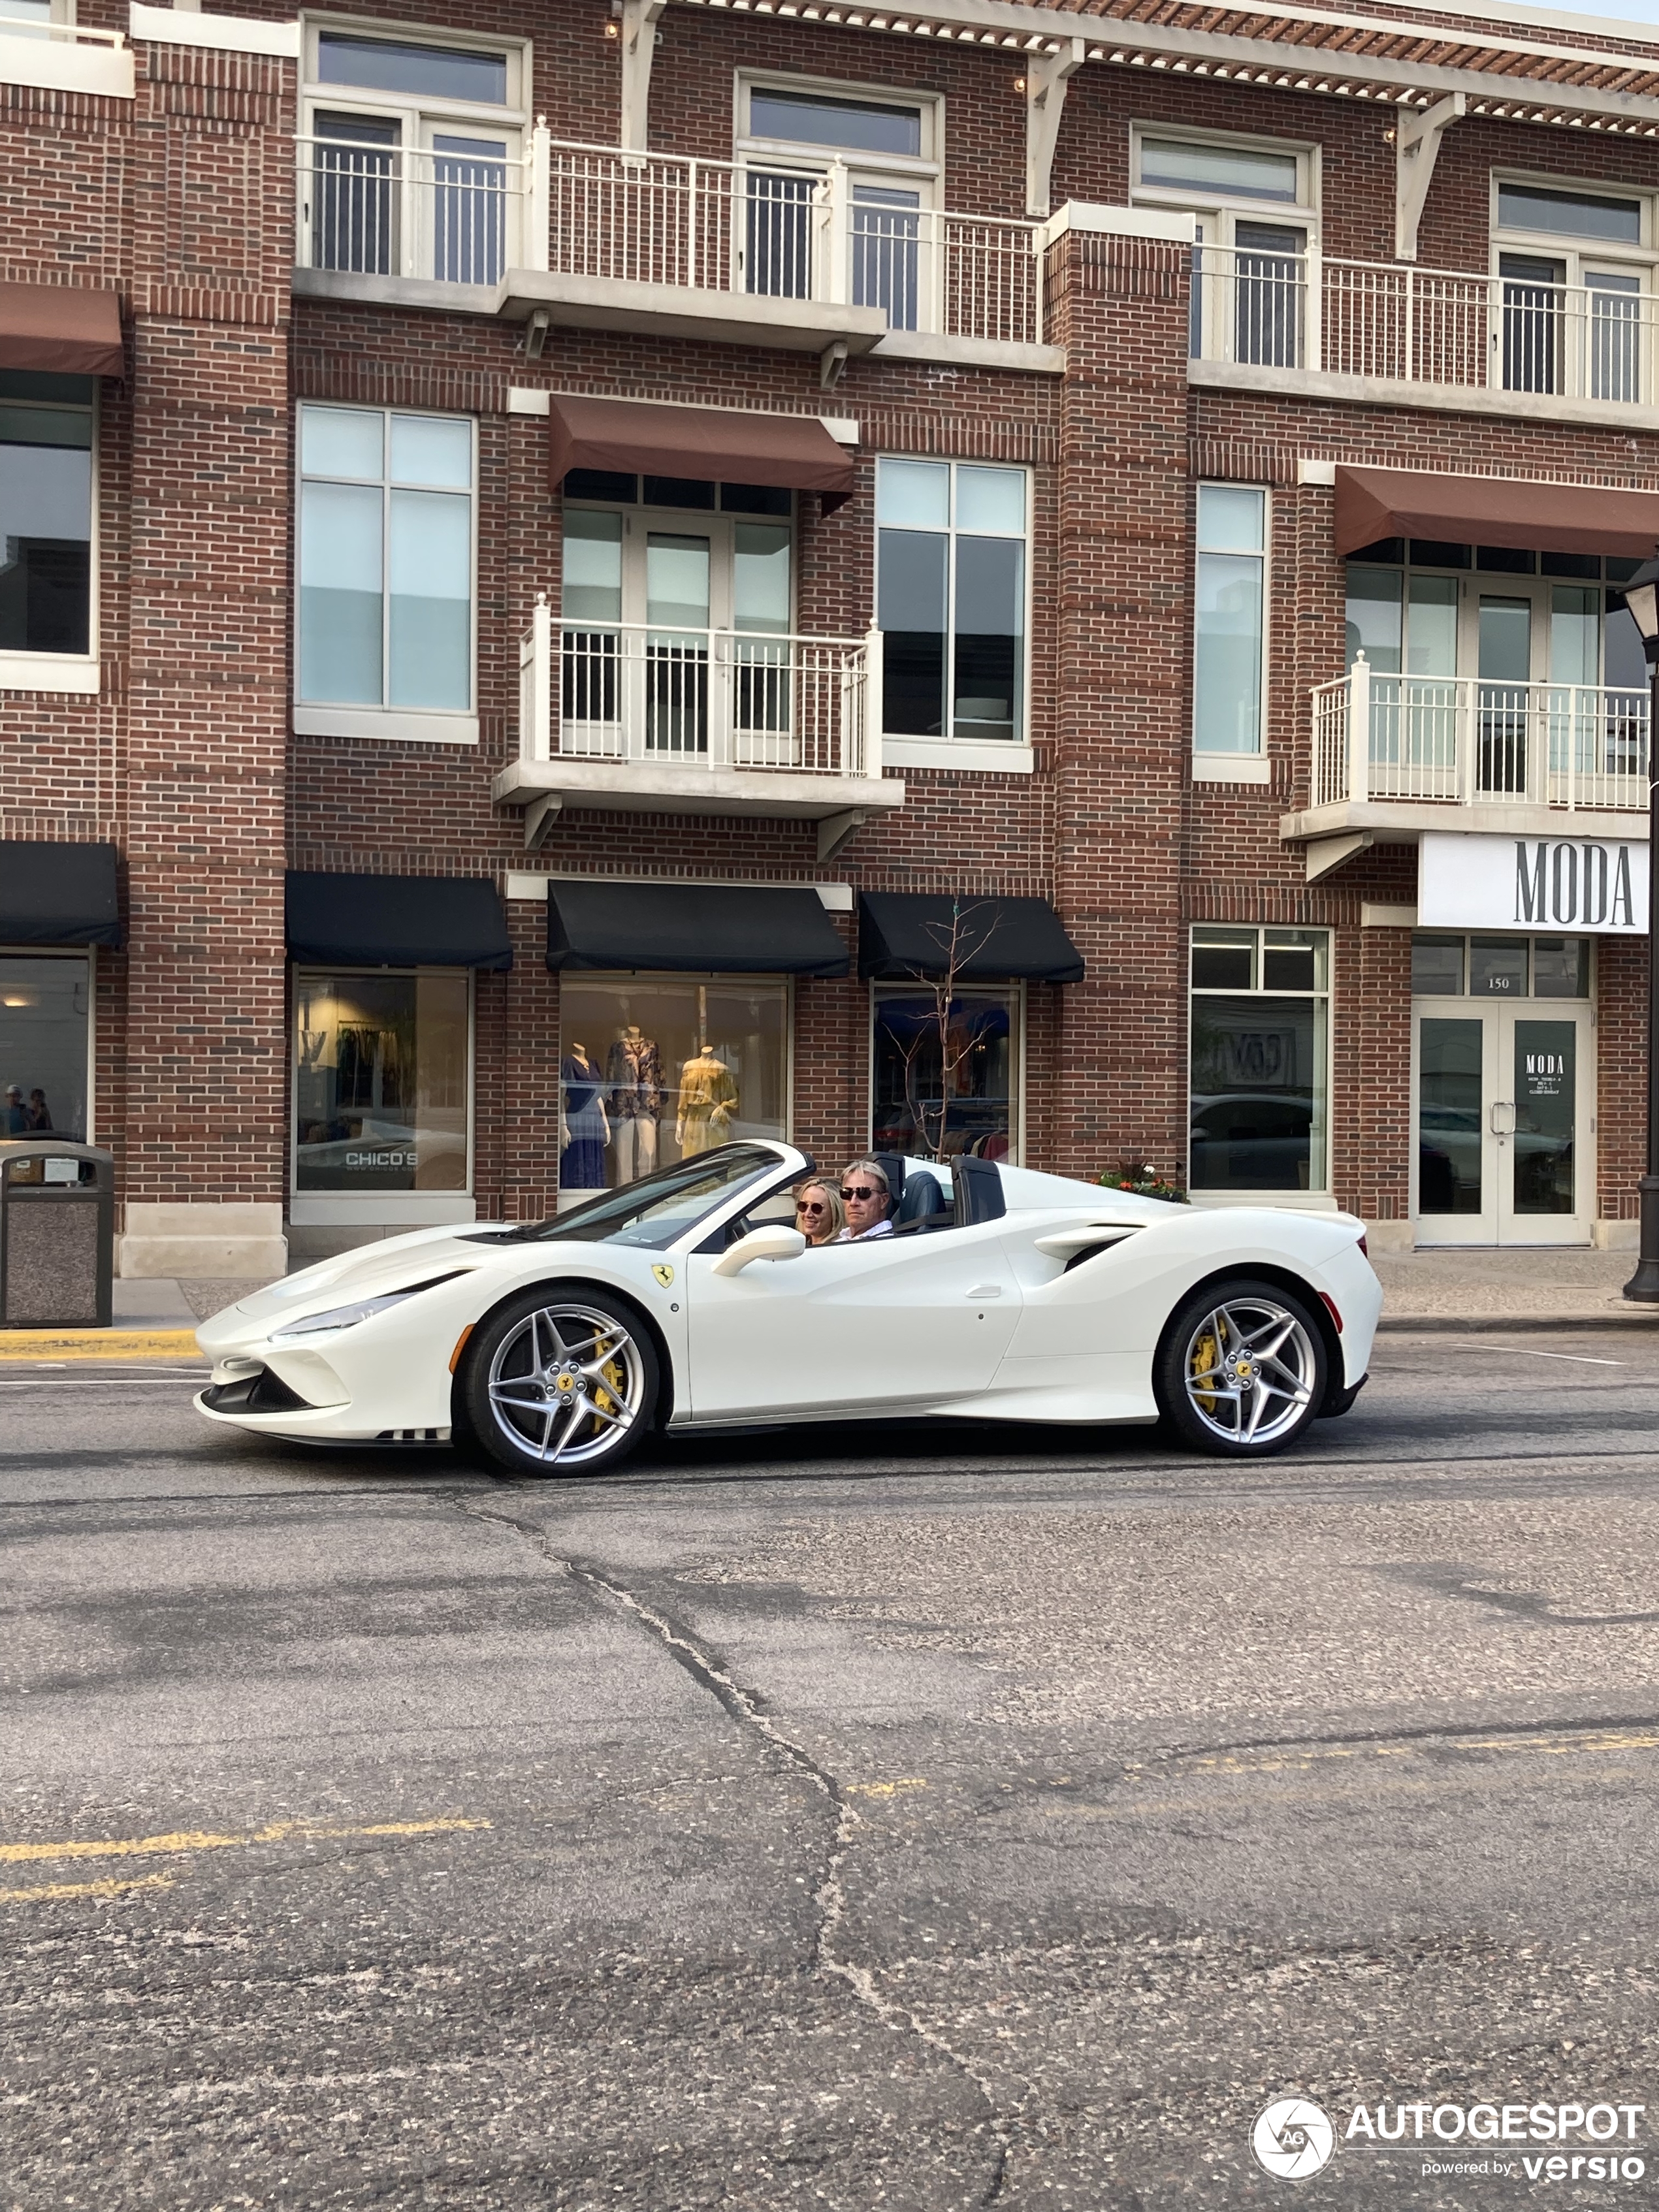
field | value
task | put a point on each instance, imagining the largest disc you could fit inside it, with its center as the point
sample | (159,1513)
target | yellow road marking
(191,1839)
(21,1344)
(105,1888)
(884,1788)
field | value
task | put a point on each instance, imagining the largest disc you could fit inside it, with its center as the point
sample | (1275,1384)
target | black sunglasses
(866,1192)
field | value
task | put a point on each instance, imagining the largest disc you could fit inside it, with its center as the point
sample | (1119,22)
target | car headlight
(339,1317)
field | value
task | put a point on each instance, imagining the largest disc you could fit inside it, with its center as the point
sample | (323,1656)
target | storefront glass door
(1504,1106)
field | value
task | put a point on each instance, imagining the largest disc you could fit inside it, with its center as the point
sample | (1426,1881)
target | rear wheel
(1241,1369)
(563,1381)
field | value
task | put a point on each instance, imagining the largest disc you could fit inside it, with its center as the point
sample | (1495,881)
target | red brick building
(554,556)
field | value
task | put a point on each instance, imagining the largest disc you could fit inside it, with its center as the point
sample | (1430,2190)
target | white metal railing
(710,699)
(763,228)
(1462,741)
(1277,309)
(456,215)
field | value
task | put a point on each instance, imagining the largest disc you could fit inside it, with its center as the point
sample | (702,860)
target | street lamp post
(1641,597)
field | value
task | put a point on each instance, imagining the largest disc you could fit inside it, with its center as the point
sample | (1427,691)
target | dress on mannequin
(708,1099)
(633,1070)
(583,1130)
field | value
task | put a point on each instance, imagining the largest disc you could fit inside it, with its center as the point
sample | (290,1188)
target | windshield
(661,1208)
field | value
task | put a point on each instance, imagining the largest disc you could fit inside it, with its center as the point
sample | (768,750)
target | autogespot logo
(1293,2139)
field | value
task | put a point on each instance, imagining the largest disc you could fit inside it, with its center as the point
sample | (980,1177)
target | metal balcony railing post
(537,214)
(864,757)
(836,277)
(536,742)
(1360,730)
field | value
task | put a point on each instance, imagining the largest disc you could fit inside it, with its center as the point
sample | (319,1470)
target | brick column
(1118,306)
(206,719)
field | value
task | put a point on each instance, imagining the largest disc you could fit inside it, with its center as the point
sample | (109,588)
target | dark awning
(58,894)
(398,921)
(71,330)
(712,929)
(722,443)
(1542,518)
(903,935)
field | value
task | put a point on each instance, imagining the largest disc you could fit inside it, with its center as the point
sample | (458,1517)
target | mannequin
(584,1131)
(708,1099)
(633,1072)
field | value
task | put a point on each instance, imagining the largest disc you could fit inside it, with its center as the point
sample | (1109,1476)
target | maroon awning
(1544,517)
(74,331)
(638,438)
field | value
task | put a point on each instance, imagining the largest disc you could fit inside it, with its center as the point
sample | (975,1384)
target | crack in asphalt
(744,1708)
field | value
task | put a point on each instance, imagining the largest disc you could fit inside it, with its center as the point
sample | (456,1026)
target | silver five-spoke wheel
(1242,1368)
(566,1384)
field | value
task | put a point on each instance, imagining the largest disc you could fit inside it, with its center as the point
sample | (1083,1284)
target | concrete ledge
(56,1344)
(228,1240)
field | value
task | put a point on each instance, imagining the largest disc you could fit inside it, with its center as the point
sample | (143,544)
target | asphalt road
(854,1819)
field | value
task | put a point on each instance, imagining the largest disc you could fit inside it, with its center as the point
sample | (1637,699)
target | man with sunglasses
(868,1201)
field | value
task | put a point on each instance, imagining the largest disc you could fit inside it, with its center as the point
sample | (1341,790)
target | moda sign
(1582,884)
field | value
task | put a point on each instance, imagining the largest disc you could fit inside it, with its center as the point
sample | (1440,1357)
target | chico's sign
(1598,884)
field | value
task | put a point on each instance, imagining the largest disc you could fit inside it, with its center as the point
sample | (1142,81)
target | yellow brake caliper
(1205,1360)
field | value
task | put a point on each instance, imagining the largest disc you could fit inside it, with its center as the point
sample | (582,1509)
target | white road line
(104,1381)
(1578,1358)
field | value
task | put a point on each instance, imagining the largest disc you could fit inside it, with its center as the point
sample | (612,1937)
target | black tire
(564,1379)
(1241,1369)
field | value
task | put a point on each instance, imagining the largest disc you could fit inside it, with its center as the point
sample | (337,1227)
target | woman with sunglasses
(819,1215)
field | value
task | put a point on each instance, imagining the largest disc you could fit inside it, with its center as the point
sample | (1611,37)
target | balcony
(630,720)
(600,238)
(1402,754)
(65,57)
(1365,329)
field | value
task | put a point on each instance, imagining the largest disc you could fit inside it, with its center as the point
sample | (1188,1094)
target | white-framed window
(412,152)
(952,586)
(387,531)
(48,532)
(1575,265)
(882,152)
(1255,204)
(961,1090)
(382,1085)
(1229,622)
(47,1016)
(1259,1060)
(661,576)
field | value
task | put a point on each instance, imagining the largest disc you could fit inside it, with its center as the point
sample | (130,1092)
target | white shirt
(882,1228)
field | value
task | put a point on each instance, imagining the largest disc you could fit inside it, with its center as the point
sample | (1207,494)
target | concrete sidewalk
(1531,1287)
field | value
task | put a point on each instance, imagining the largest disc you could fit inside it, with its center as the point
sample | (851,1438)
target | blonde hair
(835,1211)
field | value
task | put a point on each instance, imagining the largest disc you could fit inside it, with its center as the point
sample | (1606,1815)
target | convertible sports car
(688,1299)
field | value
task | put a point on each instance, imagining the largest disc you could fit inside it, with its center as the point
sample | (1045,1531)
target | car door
(914,1318)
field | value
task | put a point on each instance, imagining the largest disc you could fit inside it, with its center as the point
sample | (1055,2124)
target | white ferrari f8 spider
(689,1300)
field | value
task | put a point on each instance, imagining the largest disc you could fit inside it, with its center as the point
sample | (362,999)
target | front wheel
(563,1381)
(1241,1369)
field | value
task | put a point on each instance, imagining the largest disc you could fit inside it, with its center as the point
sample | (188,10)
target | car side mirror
(774,1241)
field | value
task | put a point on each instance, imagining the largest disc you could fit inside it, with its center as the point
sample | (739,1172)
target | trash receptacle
(56,1233)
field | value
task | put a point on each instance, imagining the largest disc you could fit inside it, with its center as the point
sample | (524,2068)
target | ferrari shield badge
(665,1275)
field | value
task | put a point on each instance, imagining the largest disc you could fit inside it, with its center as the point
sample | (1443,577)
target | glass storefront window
(653,1070)
(1500,967)
(44,1006)
(939,1091)
(1260,1059)
(382,1085)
